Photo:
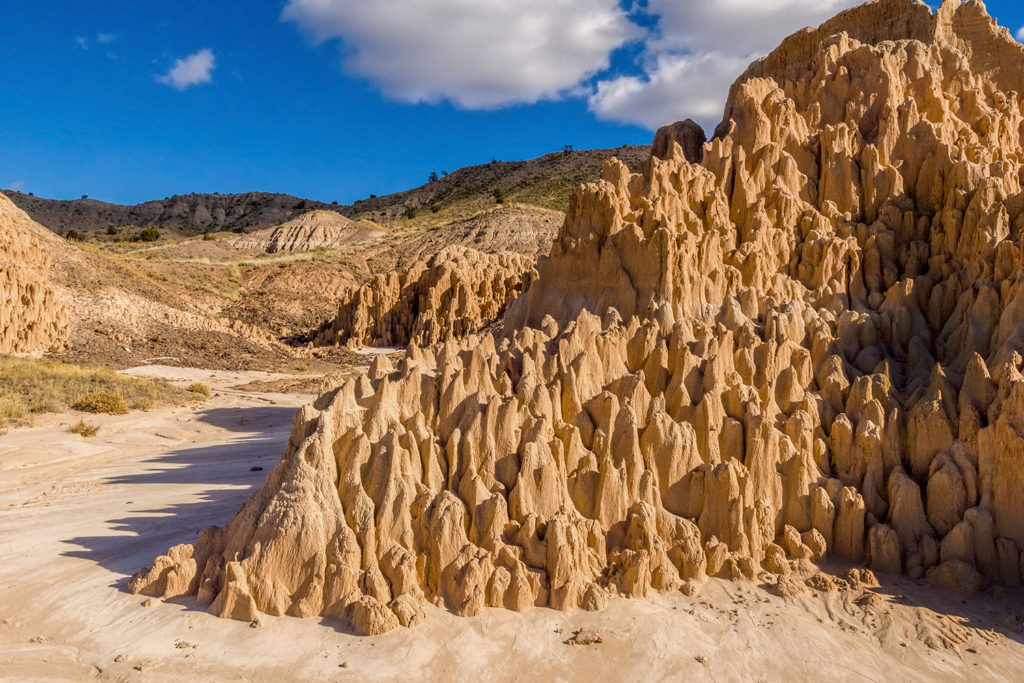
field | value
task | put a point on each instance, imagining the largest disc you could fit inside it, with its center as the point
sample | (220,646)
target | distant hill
(545,182)
(188,214)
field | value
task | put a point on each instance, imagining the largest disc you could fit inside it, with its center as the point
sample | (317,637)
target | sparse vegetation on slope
(29,386)
(545,182)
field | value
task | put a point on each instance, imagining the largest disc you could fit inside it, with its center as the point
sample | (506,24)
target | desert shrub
(11,408)
(147,235)
(73,235)
(198,388)
(83,429)
(499,196)
(111,230)
(410,213)
(105,402)
(207,237)
(143,403)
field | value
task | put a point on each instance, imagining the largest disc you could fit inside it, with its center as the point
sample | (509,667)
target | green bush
(147,235)
(105,402)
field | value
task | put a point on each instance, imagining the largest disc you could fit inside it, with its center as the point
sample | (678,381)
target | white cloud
(17,186)
(1020,34)
(674,87)
(736,26)
(475,53)
(195,69)
(696,51)
(82,42)
(104,38)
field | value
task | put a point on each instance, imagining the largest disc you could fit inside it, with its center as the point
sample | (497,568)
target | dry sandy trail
(78,516)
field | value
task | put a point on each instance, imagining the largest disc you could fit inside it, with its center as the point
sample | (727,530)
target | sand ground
(78,516)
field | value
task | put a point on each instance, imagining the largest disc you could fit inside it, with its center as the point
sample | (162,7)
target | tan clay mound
(457,292)
(806,345)
(310,231)
(32,317)
(520,230)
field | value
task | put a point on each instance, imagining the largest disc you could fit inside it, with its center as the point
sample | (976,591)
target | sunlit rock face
(32,318)
(802,342)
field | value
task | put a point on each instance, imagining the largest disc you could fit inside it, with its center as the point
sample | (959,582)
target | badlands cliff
(32,317)
(800,340)
(451,281)
(310,231)
(457,292)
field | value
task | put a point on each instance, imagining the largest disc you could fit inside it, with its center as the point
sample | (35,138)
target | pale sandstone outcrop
(32,316)
(807,344)
(456,292)
(313,230)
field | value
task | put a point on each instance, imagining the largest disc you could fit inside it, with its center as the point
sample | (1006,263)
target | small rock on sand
(585,636)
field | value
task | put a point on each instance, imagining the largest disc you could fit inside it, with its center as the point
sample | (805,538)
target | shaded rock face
(688,135)
(309,232)
(32,317)
(807,345)
(455,293)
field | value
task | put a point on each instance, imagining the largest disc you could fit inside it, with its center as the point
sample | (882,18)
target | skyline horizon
(305,97)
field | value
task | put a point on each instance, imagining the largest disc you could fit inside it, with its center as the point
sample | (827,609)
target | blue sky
(129,100)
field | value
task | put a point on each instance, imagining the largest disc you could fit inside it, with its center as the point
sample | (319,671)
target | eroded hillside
(802,343)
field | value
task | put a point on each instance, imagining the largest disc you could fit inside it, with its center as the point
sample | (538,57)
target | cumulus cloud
(696,51)
(674,87)
(1020,34)
(195,69)
(474,53)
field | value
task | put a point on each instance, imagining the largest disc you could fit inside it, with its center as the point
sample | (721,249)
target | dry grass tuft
(143,403)
(29,386)
(199,388)
(83,429)
(102,402)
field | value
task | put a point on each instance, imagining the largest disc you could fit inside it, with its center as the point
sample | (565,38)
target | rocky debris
(806,346)
(32,316)
(314,230)
(585,636)
(457,292)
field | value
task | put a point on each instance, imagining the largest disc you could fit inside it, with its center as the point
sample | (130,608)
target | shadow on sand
(219,478)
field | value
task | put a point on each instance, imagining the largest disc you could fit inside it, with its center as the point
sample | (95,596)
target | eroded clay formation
(309,232)
(32,317)
(805,343)
(456,292)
